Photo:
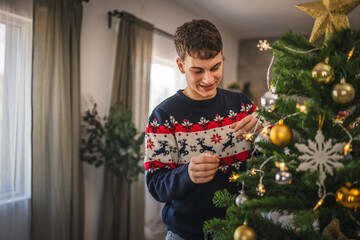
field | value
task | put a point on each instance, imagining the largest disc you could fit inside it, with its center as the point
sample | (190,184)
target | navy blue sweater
(180,128)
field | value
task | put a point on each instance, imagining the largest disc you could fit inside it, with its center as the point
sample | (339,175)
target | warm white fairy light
(248,136)
(302,108)
(265,131)
(281,165)
(347,147)
(234,177)
(318,204)
(263,45)
(321,201)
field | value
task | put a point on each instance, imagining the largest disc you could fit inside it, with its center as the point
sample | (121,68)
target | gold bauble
(348,196)
(244,232)
(280,134)
(343,92)
(333,230)
(322,72)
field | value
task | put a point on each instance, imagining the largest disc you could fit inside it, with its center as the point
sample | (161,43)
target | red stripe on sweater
(198,127)
(225,161)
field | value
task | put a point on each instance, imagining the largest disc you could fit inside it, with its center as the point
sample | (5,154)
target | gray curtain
(122,213)
(57,177)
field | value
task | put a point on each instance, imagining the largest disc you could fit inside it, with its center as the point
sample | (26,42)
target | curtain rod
(119,14)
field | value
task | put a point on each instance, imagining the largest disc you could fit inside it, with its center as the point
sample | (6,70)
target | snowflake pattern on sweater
(174,137)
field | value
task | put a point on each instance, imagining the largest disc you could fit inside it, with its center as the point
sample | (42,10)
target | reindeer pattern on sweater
(181,128)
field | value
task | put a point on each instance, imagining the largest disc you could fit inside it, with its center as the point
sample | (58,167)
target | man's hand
(246,125)
(203,167)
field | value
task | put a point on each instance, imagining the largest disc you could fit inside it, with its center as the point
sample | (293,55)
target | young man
(194,139)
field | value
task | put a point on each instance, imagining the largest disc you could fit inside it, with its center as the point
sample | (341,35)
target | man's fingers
(205,158)
(204,167)
(242,123)
(204,174)
(244,130)
(246,125)
(203,180)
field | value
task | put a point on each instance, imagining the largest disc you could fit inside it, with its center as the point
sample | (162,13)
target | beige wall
(253,65)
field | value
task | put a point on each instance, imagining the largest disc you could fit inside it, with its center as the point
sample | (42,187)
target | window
(15,107)
(165,77)
(165,80)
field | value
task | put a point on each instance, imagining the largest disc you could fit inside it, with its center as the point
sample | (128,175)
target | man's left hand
(246,125)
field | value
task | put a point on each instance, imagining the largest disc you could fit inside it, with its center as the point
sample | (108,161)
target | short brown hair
(198,38)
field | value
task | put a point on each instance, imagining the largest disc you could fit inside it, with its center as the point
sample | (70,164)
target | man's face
(202,75)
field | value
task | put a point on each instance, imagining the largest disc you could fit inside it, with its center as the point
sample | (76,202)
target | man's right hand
(202,168)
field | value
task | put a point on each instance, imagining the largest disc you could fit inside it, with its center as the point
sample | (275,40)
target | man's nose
(208,78)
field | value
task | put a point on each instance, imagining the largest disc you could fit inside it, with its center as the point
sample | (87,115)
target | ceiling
(260,18)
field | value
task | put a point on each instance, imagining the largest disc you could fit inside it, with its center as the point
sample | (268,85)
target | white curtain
(15,119)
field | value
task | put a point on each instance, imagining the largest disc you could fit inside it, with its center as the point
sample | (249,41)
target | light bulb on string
(347,148)
(248,136)
(260,188)
(321,200)
(234,177)
(318,204)
(302,108)
(265,131)
(350,54)
(263,45)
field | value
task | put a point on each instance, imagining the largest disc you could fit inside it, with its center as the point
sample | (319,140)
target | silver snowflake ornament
(320,156)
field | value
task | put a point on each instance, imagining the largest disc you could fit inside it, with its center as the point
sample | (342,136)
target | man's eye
(215,69)
(198,72)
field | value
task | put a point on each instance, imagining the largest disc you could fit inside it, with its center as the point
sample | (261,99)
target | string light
(248,136)
(347,148)
(302,108)
(281,165)
(260,189)
(234,177)
(321,201)
(350,54)
(265,131)
(263,45)
(318,204)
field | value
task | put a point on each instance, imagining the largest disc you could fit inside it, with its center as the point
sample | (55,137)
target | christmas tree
(303,178)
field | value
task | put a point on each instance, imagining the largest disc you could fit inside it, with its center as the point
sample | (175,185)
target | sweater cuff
(186,176)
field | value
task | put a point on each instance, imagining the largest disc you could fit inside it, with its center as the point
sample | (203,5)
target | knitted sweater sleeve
(165,178)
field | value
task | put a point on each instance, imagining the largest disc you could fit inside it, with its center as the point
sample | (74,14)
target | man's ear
(180,65)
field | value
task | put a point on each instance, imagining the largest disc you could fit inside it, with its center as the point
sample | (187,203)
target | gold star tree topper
(330,16)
